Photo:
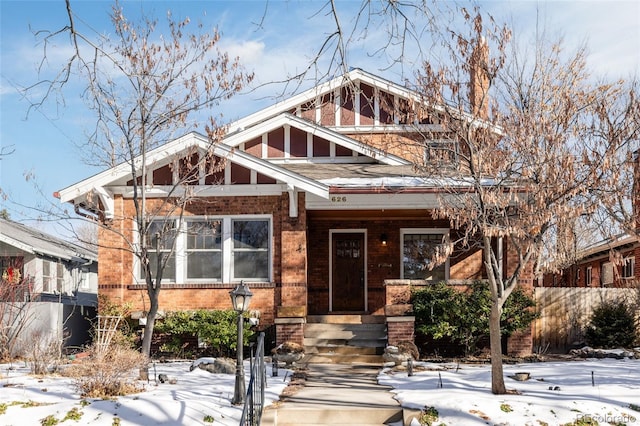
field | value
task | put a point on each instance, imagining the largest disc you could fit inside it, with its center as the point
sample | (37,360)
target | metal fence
(254,401)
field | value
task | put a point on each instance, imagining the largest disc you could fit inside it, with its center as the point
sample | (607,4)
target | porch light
(383,239)
(240,298)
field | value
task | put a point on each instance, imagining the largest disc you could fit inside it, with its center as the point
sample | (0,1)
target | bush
(217,329)
(447,315)
(612,325)
(107,372)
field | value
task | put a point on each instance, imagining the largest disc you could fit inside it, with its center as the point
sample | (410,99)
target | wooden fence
(564,312)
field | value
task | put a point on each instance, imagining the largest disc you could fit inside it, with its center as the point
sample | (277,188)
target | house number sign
(342,199)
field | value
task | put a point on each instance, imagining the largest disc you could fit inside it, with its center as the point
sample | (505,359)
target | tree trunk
(151,320)
(497,374)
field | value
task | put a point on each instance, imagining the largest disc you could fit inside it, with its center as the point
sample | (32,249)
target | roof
(608,244)
(35,241)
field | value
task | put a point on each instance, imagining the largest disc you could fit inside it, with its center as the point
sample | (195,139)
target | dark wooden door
(348,272)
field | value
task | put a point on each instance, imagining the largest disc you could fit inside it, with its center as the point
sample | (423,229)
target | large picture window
(419,247)
(220,249)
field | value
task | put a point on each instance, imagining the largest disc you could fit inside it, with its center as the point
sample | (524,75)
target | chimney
(479,79)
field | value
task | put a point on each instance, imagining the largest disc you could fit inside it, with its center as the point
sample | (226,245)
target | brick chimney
(479,79)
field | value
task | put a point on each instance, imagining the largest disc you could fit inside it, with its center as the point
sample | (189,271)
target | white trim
(423,231)
(364,232)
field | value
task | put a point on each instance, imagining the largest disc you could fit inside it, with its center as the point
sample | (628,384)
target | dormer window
(441,151)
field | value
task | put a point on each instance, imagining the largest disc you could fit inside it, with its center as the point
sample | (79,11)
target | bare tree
(145,84)
(524,158)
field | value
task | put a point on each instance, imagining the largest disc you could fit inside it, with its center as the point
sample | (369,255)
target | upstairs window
(441,151)
(606,273)
(419,248)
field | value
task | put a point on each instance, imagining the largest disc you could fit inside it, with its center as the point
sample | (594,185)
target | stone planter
(289,358)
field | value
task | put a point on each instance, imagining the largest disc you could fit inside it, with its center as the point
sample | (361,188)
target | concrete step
(328,358)
(344,350)
(379,342)
(346,319)
(351,416)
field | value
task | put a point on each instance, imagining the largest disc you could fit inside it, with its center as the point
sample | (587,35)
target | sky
(606,391)
(274,39)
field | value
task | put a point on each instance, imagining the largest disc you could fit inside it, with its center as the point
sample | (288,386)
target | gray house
(52,283)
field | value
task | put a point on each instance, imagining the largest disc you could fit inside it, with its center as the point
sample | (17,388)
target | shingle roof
(37,242)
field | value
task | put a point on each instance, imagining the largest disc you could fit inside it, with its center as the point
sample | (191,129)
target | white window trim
(227,250)
(588,276)
(631,261)
(403,231)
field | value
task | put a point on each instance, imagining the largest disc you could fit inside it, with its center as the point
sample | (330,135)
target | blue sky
(46,157)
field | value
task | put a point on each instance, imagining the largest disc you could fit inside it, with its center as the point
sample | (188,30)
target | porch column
(398,310)
(521,342)
(292,309)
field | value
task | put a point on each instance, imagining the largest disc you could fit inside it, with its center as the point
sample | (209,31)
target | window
(47,278)
(59,277)
(587,276)
(221,249)
(441,151)
(250,249)
(628,268)
(204,250)
(419,248)
(160,238)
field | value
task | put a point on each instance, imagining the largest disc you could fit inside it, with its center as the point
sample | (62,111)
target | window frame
(48,277)
(628,268)
(227,275)
(588,276)
(445,232)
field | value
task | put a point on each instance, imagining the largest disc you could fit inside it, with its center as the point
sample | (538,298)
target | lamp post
(240,298)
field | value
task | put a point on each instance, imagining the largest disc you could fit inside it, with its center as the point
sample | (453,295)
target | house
(53,281)
(318,208)
(610,263)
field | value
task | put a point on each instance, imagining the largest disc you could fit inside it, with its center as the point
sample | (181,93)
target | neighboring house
(57,280)
(319,209)
(610,263)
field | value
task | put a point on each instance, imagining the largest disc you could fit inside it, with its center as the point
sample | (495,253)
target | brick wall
(399,329)
(116,272)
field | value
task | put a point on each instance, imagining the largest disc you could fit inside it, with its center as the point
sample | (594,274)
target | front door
(347,272)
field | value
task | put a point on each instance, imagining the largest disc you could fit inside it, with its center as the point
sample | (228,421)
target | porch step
(344,339)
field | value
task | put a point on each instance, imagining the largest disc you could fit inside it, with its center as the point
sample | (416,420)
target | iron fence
(254,401)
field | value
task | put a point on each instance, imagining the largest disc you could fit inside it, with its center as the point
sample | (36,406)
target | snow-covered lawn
(197,398)
(557,393)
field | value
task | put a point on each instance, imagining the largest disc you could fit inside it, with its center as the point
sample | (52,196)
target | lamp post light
(240,298)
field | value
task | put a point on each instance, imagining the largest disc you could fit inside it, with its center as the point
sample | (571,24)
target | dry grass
(108,373)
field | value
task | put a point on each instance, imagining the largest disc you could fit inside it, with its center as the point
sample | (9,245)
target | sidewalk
(336,394)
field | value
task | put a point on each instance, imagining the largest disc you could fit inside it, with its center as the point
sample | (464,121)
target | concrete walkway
(337,394)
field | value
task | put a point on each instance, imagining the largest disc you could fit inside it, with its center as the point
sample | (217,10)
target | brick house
(319,209)
(610,263)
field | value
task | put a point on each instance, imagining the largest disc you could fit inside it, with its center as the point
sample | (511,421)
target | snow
(556,393)
(195,394)
(461,393)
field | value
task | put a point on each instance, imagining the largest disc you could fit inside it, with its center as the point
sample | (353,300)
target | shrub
(462,317)
(612,325)
(107,372)
(217,329)
(45,353)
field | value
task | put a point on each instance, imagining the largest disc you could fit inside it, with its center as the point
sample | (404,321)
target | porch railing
(254,401)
